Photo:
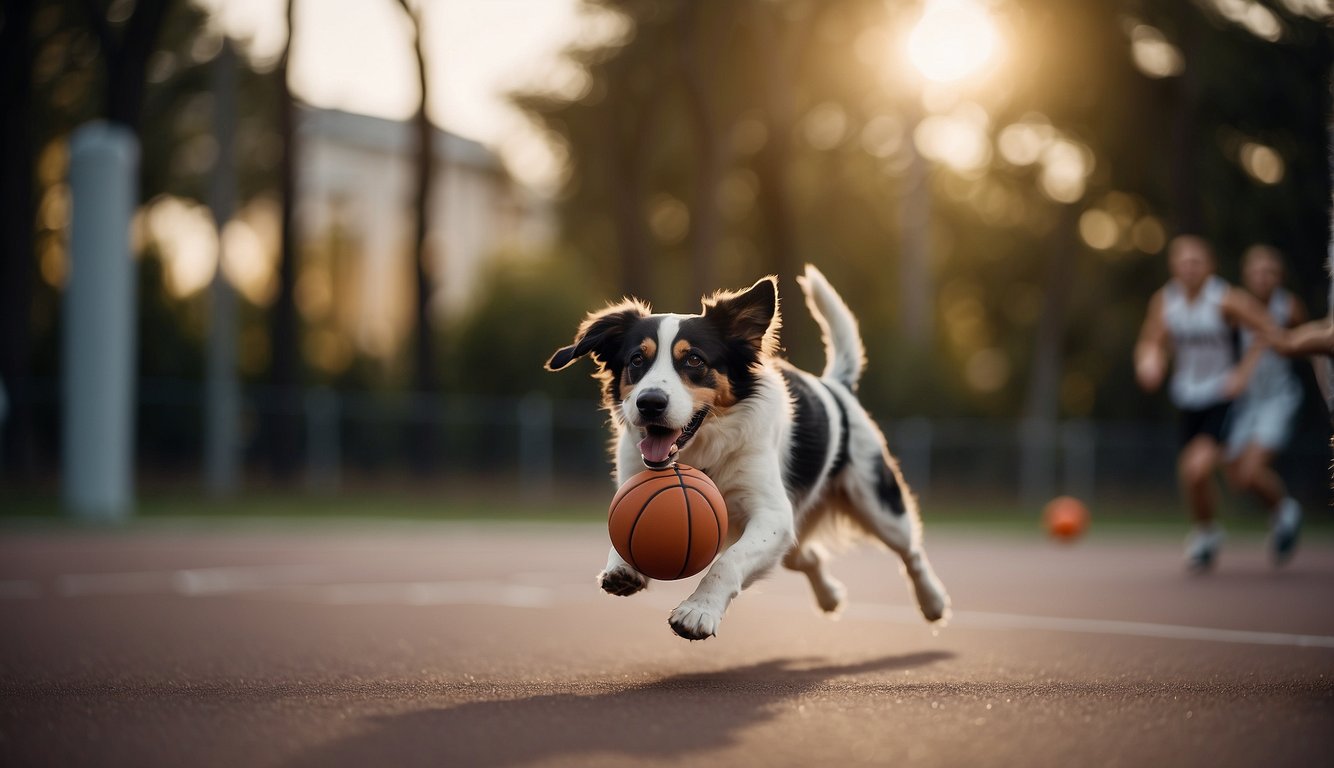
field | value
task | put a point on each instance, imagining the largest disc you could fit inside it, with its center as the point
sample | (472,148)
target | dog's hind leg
(809,558)
(881,503)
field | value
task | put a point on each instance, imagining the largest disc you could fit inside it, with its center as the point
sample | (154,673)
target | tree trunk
(425,448)
(629,144)
(710,152)
(916,293)
(18,211)
(772,162)
(1042,401)
(781,44)
(284,424)
(1185,135)
(125,89)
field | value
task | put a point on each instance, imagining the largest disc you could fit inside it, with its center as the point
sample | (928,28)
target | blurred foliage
(527,310)
(791,124)
(178,156)
(1165,148)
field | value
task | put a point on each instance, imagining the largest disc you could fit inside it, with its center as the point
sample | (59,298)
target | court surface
(419,644)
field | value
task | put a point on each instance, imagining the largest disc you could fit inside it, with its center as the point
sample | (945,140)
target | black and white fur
(792,453)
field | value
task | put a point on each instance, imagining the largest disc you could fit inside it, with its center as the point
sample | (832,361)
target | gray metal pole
(99,351)
(222,390)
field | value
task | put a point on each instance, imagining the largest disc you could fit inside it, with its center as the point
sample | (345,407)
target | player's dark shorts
(1210,421)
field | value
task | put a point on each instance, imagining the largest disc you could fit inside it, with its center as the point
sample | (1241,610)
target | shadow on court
(674,717)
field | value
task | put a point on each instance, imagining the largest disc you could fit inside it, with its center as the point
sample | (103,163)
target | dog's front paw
(622,581)
(693,622)
(831,595)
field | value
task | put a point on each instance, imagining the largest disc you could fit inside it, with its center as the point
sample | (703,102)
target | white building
(357,186)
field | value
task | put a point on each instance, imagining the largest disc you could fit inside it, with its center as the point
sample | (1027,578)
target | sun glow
(953,40)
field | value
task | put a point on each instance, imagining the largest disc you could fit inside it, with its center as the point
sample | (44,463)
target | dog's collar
(690,429)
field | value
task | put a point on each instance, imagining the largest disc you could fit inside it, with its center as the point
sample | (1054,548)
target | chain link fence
(534,446)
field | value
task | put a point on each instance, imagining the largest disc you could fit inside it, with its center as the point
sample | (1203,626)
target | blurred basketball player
(1192,318)
(1262,417)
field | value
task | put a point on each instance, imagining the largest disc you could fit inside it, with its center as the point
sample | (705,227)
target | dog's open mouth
(658,443)
(661,442)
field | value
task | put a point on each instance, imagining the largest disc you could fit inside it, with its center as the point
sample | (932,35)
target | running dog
(797,459)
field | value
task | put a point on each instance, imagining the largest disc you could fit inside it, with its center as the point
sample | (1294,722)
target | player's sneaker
(1287,527)
(1202,546)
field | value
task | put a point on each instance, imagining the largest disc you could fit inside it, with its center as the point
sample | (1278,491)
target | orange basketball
(668,523)
(1065,518)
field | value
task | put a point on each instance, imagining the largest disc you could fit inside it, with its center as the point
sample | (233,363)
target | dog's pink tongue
(657,448)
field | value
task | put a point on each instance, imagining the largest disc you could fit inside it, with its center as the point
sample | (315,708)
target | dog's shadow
(672,717)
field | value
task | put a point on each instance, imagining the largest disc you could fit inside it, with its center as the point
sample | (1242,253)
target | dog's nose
(652,403)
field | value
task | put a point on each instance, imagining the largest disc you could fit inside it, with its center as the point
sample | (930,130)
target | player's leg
(1256,466)
(1195,469)
(1251,471)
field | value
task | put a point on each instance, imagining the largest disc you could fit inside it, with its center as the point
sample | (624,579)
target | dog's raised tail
(845,355)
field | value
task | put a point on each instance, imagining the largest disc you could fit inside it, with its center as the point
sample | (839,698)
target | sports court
(489,644)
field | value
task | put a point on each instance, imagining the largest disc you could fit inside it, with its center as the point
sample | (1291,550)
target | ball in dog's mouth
(658,442)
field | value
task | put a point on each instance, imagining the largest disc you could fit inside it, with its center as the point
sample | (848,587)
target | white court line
(309,583)
(20,589)
(300,582)
(133,583)
(190,581)
(908,616)
(435,593)
(1019,621)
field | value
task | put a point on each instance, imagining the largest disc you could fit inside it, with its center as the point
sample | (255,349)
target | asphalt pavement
(355,644)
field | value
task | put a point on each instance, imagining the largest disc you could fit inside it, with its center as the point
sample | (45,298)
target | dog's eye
(694,361)
(637,360)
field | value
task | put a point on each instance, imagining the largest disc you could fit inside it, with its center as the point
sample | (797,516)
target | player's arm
(1298,314)
(1313,338)
(1241,308)
(1297,318)
(1241,373)
(1151,348)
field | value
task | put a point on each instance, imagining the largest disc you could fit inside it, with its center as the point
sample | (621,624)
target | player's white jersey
(1202,343)
(1273,376)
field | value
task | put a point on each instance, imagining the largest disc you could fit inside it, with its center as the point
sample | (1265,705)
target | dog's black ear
(600,333)
(750,315)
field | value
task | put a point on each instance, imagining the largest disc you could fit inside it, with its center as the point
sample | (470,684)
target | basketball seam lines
(680,483)
(717,522)
(623,491)
(685,494)
(630,540)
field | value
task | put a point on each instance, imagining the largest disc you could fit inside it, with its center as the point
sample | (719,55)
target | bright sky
(356,55)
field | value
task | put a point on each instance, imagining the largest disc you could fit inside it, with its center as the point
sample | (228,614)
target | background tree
(18,213)
(284,425)
(424,378)
(1037,288)
(700,54)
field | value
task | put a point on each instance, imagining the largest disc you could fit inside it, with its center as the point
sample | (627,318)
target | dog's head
(662,373)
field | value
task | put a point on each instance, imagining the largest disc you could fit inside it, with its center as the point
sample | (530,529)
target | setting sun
(952,40)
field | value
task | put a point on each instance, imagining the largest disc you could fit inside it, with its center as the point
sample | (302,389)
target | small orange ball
(1066,518)
(668,523)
